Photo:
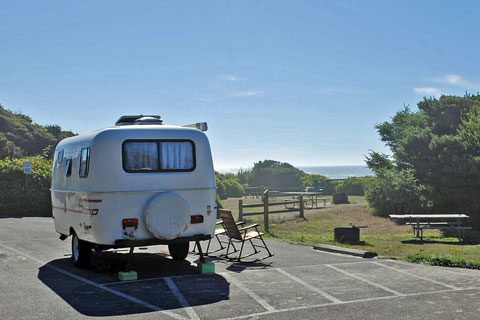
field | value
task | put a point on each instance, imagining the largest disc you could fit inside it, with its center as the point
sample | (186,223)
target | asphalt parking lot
(38,281)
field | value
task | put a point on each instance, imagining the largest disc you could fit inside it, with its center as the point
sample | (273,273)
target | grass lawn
(382,236)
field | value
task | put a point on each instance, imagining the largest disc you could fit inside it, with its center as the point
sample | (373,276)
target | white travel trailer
(138,183)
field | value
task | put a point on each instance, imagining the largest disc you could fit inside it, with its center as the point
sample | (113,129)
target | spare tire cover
(167,215)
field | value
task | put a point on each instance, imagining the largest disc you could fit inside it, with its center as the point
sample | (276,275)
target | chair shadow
(97,292)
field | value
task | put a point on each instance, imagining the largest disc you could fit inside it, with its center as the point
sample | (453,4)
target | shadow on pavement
(152,288)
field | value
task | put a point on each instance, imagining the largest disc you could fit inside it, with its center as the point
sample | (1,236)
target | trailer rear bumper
(125,243)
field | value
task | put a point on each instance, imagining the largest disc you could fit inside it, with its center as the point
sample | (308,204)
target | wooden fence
(266,208)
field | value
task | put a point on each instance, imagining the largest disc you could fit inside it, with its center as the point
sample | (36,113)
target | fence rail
(266,208)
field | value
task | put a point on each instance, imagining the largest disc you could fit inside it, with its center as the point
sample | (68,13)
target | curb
(342,250)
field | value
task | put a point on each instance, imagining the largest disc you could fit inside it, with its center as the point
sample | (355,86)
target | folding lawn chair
(218,232)
(241,235)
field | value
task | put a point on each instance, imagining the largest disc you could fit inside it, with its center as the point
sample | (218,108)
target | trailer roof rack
(139,119)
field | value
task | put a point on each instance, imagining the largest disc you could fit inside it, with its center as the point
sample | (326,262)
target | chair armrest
(249,227)
(219,223)
(241,223)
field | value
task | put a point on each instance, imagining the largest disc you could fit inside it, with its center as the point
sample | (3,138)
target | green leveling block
(206,267)
(127,275)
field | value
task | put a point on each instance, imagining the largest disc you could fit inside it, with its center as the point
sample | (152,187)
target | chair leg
(241,249)
(228,248)
(219,242)
(253,246)
(265,245)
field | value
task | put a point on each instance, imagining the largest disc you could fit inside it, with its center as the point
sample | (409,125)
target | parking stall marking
(365,280)
(418,277)
(183,302)
(252,294)
(309,286)
(27,240)
(98,286)
(348,302)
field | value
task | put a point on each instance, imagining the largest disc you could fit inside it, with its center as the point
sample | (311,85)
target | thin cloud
(456,80)
(231,78)
(249,93)
(429,91)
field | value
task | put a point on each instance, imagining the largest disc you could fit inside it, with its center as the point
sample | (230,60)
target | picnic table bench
(312,197)
(447,221)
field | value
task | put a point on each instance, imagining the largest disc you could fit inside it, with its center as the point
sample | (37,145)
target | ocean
(338,172)
(331,172)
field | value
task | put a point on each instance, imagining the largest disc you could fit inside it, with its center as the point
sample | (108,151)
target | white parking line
(252,294)
(418,277)
(351,262)
(98,286)
(253,315)
(309,286)
(183,302)
(365,280)
(27,240)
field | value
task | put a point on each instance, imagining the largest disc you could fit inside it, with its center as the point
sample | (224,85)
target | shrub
(233,188)
(25,195)
(354,186)
(392,188)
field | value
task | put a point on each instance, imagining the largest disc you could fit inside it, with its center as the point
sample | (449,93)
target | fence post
(240,210)
(301,207)
(265,209)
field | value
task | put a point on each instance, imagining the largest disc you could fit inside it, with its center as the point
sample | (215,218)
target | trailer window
(68,167)
(176,155)
(60,156)
(158,156)
(140,156)
(84,161)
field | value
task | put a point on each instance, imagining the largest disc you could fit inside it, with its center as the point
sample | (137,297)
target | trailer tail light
(196,219)
(129,223)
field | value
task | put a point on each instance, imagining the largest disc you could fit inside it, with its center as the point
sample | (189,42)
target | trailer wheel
(81,252)
(179,251)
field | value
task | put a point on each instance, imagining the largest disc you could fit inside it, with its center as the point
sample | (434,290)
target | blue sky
(298,81)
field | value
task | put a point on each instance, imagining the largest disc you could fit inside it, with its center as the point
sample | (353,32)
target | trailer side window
(68,167)
(158,155)
(60,156)
(84,162)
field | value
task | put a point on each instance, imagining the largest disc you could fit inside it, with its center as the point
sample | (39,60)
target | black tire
(179,251)
(81,252)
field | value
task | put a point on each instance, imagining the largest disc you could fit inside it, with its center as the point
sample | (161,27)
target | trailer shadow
(98,292)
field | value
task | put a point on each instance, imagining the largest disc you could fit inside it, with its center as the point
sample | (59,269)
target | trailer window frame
(159,141)
(84,166)
(68,167)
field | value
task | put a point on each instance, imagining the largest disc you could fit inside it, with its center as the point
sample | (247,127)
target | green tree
(275,175)
(20,137)
(438,147)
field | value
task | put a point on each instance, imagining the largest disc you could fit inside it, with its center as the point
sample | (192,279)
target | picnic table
(447,221)
(313,197)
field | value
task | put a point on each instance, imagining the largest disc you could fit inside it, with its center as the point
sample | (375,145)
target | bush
(275,175)
(233,188)
(389,189)
(18,198)
(354,186)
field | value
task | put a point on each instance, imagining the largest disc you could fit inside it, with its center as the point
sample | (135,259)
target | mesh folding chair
(219,232)
(242,235)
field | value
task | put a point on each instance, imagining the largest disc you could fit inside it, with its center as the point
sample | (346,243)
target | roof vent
(139,119)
